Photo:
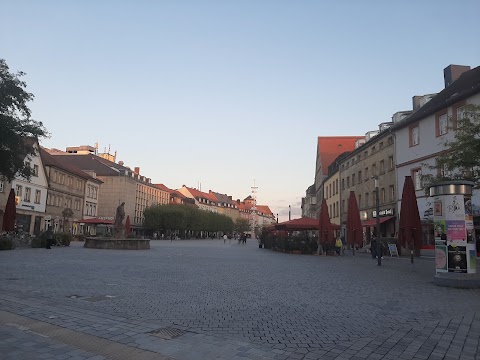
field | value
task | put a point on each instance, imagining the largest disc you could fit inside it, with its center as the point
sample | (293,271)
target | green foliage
(185,218)
(16,126)
(283,243)
(7,242)
(64,238)
(462,160)
(39,242)
(241,225)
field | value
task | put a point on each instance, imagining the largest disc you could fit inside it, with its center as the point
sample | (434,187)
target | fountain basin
(117,244)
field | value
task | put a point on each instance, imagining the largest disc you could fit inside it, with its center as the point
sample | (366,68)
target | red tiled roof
(163,187)
(264,209)
(330,147)
(200,194)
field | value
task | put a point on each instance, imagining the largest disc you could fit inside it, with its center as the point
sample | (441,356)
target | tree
(462,159)
(16,126)
(242,225)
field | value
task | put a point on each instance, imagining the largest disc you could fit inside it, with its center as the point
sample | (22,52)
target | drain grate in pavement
(168,333)
(98,298)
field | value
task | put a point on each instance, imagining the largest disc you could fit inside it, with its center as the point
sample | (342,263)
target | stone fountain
(118,241)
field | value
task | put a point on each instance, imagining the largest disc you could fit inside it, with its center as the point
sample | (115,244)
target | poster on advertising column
(455,220)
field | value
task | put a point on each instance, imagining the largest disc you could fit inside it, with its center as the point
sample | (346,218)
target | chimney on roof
(453,72)
(120,163)
(136,170)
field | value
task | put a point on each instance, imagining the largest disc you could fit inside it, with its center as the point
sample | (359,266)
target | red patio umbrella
(410,227)
(325,233)
(303,223)
(128,227)
(10,214)
(354,224)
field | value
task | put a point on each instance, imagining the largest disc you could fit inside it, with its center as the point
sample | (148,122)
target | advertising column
(453,228)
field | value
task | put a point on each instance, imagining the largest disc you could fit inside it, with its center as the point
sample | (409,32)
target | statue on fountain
(118,225)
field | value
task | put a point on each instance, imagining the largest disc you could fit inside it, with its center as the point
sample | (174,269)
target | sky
(223,94)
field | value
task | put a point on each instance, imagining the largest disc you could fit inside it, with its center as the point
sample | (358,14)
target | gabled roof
(330,147)
(466,85)
(223,198)
(64,164)
(89,162)
(163,187)
(200,194)
(264,209)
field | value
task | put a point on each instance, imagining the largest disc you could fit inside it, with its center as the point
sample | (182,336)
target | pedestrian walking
(338,245)
(224,238)
(49,237)
(344,244)
(373,248)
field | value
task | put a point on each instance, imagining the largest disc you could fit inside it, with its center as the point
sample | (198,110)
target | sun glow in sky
(225,92)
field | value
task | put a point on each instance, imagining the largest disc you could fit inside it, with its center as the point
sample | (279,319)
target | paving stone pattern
(234,302)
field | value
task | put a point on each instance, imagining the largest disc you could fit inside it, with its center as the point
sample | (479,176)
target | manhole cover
(98,298)
(168,333)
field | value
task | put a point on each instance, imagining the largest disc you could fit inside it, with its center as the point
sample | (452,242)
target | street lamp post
(277,218)
(289,212)
(377,209)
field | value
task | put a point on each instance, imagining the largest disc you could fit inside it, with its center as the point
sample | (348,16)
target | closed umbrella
(325,233)
(10,214)
(354,224)
(128,227)
(410,227)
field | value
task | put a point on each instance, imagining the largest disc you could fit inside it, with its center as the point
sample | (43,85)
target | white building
(420,138)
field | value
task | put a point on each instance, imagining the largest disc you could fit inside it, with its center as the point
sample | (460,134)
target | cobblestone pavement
(230,301)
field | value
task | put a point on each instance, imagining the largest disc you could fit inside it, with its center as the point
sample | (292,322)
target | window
(70,181)
(392,193)
(338,210)
(343,167)
(390,141)
(18,190)
(444,172)
(366,174)
(334,210)
(330,190)
(348,164)
(348,182)
(381,145)
(374,169)
(414,135)
(38,193)
(367,199)
(360,176)
(28,193)
(382,167)
(55,175)
(417,178)
(441,124)
(62,179)
(373,149)
(365,154)
(382,195)
(353,179)
(391,163)
(359,201)
(2,185)
(343,184)
(35,170)
(458,114)
(343,206)
(336,181)
(330,212)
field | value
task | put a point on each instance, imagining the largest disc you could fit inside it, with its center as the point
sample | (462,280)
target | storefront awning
(373,222)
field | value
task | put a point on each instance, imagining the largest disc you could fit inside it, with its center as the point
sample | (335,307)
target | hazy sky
(225,92)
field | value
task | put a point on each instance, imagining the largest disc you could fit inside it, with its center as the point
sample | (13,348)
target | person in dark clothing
(373,248)
(49,236)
